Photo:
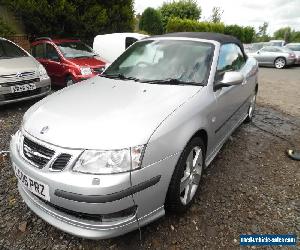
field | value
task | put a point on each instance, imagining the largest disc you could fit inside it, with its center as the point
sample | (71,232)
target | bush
(5,29)
(187,25)
(151,22)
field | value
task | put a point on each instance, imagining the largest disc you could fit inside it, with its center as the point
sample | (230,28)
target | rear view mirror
(230,78)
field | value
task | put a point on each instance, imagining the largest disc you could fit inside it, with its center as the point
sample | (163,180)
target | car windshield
(294,47)
(76,50)
(9,50)
(164,60)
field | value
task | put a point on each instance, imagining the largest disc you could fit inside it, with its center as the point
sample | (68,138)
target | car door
(267,55)
(53,64)
(229,101)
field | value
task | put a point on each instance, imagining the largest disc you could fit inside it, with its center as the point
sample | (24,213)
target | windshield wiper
(119,76)
(172,81)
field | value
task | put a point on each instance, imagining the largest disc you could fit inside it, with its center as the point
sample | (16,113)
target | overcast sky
(278,13)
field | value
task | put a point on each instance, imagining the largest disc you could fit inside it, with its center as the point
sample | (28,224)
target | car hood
(93,62)
(103,113)
(17,65)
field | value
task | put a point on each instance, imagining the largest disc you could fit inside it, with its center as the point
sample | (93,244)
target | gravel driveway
(251,187)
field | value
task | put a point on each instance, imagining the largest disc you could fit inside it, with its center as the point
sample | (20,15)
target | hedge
(245,34)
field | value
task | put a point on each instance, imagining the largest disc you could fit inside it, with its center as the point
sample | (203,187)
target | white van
(110,46)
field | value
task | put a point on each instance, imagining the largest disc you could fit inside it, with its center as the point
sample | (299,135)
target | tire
(69,81)
(280,63)
(251,108)
(185,180)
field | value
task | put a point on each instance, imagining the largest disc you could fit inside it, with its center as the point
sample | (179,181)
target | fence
(25,40)
(21,40)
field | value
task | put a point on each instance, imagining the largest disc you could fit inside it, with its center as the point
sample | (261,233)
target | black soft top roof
(221,38)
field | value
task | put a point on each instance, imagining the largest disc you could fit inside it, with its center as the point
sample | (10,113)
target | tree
(216,15)
(284,34)
(262,30)
(235,30)
(5,29)
(184,9)
(248,34)
(151,22)
(262,35)
(73,17)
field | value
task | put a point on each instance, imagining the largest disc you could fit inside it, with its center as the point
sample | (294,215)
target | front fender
(177,129)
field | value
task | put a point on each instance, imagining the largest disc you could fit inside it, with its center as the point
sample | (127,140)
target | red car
(67,61)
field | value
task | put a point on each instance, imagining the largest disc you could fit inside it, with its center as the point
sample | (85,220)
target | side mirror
(230,78)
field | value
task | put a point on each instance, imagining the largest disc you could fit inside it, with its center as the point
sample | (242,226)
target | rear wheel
(186,177)
(280,63)
(69,81)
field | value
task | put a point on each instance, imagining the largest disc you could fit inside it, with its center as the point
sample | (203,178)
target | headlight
(108,162)
(42,72)
(85,71)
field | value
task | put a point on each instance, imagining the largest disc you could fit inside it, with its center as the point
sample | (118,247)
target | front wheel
(251,109)
(186,177)
(69,81)
(280,63)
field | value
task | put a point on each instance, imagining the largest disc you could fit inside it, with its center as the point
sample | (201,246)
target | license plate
(38,188)
(22,88)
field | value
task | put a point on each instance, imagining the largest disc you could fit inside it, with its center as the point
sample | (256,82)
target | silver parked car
(21,76)
(279,57)
(107,156)
(296,48)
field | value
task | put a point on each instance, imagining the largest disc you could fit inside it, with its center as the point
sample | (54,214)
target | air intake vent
(61,162)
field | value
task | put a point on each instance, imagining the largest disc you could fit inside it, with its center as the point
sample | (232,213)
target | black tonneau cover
(221,38)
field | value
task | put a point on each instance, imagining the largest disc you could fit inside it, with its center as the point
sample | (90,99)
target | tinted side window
(129,41)
(270,49)
(38,51)
(231,58)
(51,53)
(11,50)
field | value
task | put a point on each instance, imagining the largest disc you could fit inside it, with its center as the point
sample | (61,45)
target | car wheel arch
(201,133)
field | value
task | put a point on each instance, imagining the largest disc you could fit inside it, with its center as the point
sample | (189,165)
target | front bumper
(71,191)
(43,88)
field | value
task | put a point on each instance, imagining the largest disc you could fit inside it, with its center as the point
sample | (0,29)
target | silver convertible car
(113,153)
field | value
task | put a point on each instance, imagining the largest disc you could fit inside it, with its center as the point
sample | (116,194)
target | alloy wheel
(252,106)
(279,63)
(191,176)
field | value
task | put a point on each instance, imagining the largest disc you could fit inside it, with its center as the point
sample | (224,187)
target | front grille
(36,153)
(18,76)
(18,95)
(22,74)
(61,162)
(9,84)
